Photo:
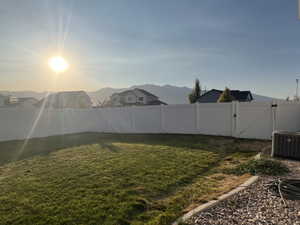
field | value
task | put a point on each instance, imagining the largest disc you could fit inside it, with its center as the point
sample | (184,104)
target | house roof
(124,92)
(157,102)
(241,95)
(132,91)
(236,94)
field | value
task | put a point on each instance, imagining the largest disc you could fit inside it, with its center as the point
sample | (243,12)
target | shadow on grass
(14,150)
(108,146)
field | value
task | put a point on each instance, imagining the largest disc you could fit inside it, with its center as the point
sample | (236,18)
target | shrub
(261,167)
(226,96)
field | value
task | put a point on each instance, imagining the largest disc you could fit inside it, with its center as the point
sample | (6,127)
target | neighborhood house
(27,102)
(213,95)
(66,99)
(12,101)
(136,96)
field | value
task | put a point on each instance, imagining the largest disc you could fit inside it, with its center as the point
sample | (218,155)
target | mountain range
(167,93)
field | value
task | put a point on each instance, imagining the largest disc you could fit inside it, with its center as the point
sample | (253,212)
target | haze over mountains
(167,93)
(23,94)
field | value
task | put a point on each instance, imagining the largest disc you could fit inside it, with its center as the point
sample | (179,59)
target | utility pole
(299,9)
(297,87)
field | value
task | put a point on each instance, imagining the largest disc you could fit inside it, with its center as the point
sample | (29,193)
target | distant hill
(24,94)
(103,94)
(261,98)
(167,93)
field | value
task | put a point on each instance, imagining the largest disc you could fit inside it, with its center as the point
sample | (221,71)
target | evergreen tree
(196,93)
(226,96)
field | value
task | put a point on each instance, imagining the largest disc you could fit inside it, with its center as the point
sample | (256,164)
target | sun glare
(58,64)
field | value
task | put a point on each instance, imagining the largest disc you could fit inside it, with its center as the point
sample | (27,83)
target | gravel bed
(255,205)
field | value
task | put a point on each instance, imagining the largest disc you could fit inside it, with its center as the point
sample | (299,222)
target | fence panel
(15,124)
(179,119)
(254,120)
(147,119)
(118,120)
(288,117)
(82,120)
(215,119)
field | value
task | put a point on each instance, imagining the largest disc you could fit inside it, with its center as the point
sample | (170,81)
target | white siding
(130,98)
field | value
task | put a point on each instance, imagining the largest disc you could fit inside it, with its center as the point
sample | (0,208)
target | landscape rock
(255,205)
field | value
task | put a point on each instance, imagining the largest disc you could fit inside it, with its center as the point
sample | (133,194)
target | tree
(226,96)
(196,93)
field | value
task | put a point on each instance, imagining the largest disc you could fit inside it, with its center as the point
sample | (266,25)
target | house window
(129,98)
(141,98)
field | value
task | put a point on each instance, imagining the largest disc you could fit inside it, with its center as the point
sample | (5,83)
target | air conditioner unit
(286,144)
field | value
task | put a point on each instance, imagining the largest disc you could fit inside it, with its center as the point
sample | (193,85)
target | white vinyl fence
(244,120)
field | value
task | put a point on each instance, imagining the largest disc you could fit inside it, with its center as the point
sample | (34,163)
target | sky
(242,44)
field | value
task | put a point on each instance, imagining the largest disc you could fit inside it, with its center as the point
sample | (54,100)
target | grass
(108,179)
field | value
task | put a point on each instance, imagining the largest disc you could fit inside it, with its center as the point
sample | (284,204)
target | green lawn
(107,179)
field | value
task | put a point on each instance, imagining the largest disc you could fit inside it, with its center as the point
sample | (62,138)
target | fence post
(197,105)
(274,110)
(233,118)
(162,128)
(133,119)
(237,121)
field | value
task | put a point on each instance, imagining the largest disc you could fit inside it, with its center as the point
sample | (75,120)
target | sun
(58,64)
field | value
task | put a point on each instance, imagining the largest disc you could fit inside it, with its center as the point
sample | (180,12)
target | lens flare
(58,64)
